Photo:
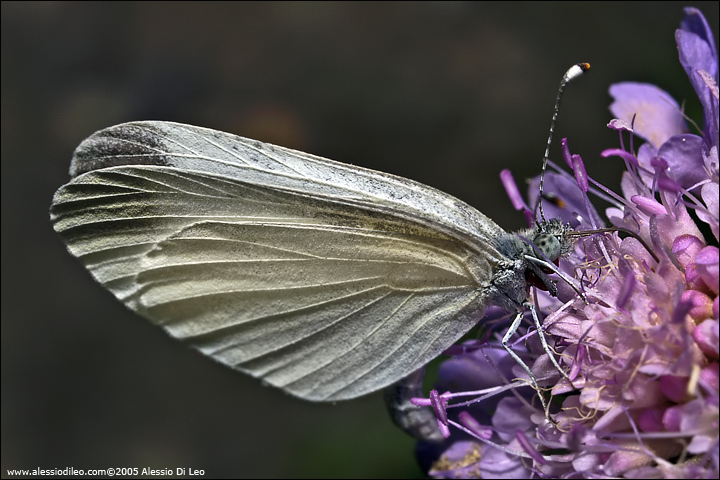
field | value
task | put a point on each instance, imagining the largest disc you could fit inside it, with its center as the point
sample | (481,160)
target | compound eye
(549,245)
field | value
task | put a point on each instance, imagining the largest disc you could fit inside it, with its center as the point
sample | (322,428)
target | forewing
(187,147)
(328,298)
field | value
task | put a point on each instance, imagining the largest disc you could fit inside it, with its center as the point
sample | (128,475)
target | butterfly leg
(543,341)
(511,331)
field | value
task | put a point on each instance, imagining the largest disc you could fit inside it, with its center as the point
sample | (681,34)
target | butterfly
(326,280)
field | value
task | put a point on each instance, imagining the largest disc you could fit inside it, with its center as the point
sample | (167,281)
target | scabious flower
(641,356)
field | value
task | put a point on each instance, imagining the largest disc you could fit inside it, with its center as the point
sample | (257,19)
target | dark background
(446,93)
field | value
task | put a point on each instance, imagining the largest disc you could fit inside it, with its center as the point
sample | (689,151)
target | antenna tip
(575,71)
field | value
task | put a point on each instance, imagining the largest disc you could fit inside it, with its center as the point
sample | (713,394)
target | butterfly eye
(549,245)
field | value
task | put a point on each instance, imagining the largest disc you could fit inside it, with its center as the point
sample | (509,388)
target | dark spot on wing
(125,144)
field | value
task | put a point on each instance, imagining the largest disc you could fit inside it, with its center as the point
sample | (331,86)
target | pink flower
(642,353)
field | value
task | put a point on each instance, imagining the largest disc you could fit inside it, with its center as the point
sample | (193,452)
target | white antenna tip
(575,71)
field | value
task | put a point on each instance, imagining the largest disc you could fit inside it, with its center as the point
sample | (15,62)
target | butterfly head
(551,239)
(542,247)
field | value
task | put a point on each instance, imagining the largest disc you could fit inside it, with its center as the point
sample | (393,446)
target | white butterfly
(327,280)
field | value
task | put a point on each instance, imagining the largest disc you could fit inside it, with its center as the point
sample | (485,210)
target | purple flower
(671,154)
(642,353)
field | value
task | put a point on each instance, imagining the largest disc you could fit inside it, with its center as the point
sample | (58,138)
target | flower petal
(683,153)
(658,116)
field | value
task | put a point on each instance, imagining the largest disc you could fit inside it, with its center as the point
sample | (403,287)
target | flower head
(640,396)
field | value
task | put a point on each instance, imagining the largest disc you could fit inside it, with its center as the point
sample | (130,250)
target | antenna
(572,73)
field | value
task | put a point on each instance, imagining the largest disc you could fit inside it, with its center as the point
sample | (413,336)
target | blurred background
(446,93)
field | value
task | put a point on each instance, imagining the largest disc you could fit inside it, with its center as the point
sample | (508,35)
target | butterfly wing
(325,280)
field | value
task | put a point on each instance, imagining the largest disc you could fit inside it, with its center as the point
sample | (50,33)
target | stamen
(512,190)
(528,447)
(474,426)
(580,174)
